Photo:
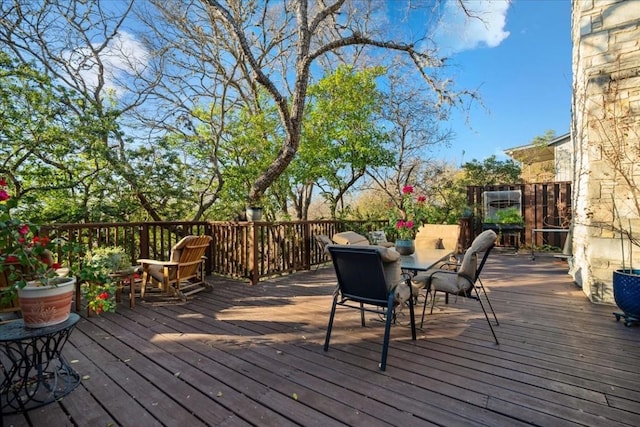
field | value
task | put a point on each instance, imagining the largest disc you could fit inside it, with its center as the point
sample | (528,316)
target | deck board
(246,355)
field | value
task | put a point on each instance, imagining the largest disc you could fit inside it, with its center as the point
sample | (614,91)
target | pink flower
(422,199)
(4,195)
(24,229)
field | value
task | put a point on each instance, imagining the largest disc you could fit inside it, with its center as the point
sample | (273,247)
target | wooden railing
(257,250)
(139,239)
(243,250)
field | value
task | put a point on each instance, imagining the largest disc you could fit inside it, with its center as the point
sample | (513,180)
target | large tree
(174,110)
(47,153)
(81,46)
(275,45)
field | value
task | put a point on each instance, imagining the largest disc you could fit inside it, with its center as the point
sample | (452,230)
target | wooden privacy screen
(544,205)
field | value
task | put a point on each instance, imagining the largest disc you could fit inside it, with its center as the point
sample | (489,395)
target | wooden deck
(243,355)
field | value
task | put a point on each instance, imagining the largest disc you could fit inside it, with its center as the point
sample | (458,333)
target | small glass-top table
(34,371)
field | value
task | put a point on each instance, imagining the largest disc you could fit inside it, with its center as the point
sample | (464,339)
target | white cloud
(457,32)
(123,57)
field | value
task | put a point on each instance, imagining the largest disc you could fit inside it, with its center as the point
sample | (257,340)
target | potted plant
(97,276)
(508,218)
(626,280)
(407,219)
(254,213)
(507,221)
(32,275)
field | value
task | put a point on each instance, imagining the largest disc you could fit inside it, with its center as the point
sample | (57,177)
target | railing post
(254,273)
(144,240)
(307,245)
(208,263)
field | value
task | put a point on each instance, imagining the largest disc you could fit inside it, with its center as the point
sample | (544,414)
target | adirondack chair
(183,274)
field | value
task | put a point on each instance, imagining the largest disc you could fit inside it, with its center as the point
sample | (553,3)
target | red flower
(56,265)
(3,182)
(11,258)
(24,229)
(422,199)
(407,189)
(4,195)
(103,295)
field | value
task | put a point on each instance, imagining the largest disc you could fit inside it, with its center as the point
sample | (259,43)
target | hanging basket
(43,306)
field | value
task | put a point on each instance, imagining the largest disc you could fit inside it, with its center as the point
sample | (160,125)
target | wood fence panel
(544,205)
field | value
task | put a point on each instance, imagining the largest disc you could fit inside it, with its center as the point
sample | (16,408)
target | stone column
(605,121)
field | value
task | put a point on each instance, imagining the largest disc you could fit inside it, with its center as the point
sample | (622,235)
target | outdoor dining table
(424,259)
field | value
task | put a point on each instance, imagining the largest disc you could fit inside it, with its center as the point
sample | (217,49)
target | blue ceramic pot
(626,292)
(405,246)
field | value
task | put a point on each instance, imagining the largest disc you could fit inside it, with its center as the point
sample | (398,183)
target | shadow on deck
(243,355)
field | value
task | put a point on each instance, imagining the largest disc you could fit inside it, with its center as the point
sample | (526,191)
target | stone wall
(605,130)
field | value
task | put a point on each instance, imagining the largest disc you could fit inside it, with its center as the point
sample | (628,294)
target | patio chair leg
(484,291)
(486,316)
(412,315)
(387,330)
(424,306)
(330,325)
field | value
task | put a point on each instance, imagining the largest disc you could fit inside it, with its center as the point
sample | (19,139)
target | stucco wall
(606,117)
(563,158)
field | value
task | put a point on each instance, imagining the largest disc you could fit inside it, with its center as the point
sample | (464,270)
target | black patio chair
(465,280)
(362,285)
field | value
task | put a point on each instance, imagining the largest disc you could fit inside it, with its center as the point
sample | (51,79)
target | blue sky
(518,58)
(524,79)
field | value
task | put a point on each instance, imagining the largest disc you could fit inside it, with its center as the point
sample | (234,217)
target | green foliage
(507,216)
(341,137)
(98,287)
(52,146)
(109,259)
(99,298)
(491,171)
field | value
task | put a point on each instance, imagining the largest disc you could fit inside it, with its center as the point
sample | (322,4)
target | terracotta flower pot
(46,305)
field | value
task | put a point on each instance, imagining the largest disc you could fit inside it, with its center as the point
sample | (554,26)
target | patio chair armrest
(156,262)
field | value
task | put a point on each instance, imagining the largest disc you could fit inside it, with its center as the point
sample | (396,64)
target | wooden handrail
(244,250)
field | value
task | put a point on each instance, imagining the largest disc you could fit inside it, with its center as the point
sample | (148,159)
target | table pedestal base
(34,371)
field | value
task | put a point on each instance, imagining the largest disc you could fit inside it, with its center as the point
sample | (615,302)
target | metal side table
(34,371)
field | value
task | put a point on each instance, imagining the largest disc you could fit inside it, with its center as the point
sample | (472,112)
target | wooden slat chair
(183,274)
